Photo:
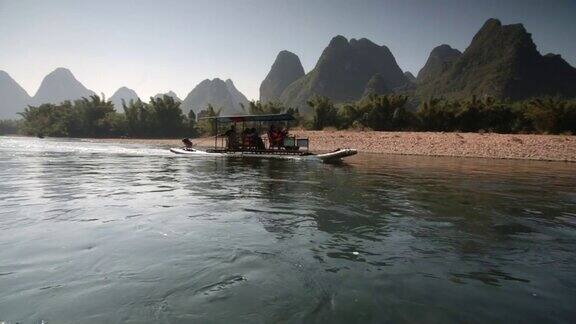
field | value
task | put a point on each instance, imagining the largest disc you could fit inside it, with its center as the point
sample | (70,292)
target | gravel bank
(488,145)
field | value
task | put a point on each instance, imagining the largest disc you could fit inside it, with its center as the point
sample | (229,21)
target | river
(109,233)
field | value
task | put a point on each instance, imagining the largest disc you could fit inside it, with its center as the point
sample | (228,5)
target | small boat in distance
(277,143)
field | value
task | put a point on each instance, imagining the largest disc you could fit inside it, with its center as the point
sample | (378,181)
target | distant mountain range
(343,72)
(58,86)
(501,62)
(61,85)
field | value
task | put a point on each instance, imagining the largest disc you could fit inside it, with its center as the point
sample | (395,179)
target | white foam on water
(30,144)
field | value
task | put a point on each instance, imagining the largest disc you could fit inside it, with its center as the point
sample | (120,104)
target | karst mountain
(123,94)
(58,86)
(222,95)
(503,62)
(343,72)
(13,97)
(285,70)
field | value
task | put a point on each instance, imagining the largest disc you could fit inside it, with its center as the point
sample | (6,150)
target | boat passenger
(256,140)
(246,137)
(283,134)
(187,143)
(274,137)
(232,138)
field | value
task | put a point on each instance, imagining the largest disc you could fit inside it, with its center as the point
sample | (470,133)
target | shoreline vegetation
(483,128)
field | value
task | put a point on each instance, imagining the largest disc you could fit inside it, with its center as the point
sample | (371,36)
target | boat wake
(19,145)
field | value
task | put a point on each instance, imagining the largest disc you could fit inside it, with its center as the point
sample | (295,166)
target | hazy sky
(156,46)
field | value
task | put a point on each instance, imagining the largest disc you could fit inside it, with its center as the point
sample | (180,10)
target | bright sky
(156,46)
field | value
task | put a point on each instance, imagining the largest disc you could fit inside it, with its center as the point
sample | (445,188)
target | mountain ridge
(439,60)
(503,62)
(286,69)
(221,94)
(123,93)
(14,97)
(343,71)
(58,86)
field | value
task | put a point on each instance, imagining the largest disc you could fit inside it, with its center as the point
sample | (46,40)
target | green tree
(437,115)
(137,117)
(207,126)
(295,112)
(497,116)
(168,115)
(552,115)
(46,119)
(191,127)
(403,119)
(93,113)
(325,114)
(347,115)
(378,111)
(256,107)
(468,115)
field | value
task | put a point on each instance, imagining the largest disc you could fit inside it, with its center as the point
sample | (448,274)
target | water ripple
(94,232)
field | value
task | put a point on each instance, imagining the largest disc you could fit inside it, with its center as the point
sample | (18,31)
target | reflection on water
(124,233)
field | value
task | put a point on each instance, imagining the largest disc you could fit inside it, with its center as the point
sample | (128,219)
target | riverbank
(487,145)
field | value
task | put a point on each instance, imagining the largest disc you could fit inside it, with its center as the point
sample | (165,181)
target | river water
(109,233)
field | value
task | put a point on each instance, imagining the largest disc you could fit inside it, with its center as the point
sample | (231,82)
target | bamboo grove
(163,117)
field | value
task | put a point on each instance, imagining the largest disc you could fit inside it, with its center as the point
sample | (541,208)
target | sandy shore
(497,146)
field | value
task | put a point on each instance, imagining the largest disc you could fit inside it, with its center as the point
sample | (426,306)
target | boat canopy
(252,118)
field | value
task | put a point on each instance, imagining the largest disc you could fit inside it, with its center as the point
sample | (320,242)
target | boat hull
(334,156)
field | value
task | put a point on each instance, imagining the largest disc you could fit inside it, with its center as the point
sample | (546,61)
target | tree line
(96,117)
(549,115)
(163,117)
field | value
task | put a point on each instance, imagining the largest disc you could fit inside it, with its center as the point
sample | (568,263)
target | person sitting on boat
(283,134)
(256,140)
(187,143)
(232,138)
(247,138)
(274,137)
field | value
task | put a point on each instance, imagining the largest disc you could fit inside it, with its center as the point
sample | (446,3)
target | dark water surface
(108,233)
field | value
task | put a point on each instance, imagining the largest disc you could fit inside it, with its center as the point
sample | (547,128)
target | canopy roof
(252,118)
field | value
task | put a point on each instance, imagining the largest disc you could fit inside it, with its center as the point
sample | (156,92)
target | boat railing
(290,144)
(258,151)
(293,142)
